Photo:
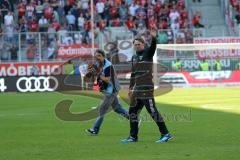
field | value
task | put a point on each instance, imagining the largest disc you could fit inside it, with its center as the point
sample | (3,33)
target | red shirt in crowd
(151,23)
(182,23)
(234,2)
(21,9)
(157,8)
(56,25)
(142,2)
(163,24)
(184,14)
(48,12)
(72,2)
(180,5)
(113,12)
(33,26)
(130,23)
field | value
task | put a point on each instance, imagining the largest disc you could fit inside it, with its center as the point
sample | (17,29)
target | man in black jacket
(141,89)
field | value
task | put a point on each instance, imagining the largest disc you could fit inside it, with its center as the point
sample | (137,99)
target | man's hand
(153,31)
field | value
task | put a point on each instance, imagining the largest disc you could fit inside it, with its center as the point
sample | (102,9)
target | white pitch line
(219,107)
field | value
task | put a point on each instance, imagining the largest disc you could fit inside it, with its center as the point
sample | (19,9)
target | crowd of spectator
(62,16)
(236,7)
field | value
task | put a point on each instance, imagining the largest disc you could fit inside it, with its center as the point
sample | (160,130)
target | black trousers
(135,109)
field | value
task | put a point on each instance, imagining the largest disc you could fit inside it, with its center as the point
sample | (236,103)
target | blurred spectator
(102,24)
(71,20)
(107,11)
(21,7)
(163,24)
(61,34)
(170,36)
(9,27)
(113,12)
(51,33)
(56,25)
(85,5)
(83,67)
(132,9)
(140,22)
(196,20)
(48,12)
(151,22)
(175,27)
(8,19)
(45,3)
(31,52)
(116,23)
(174,15)
(56,16)
(39,10)
(34,70)
(180,37)
(162,37)
(61,14)
(68,40)
(141,28)
(130,24)
(37,15)
(5,6)
(177,66)
(100,8)
(150,10)
(23,24)
(5,52)
(75,12)
(123,11)
(78,38)
(51,51)
(188,36)
(237,66)
(33,25)
(14,52)
(141,12)
(43,24)
(55,4)
(204,66)
(30,9)
(217,66)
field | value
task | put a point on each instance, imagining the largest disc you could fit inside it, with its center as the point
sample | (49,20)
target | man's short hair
(140,39)
(100,51)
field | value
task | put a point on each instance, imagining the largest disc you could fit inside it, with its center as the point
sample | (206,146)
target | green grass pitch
(205,124)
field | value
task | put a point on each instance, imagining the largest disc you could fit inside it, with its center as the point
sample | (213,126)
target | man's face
(99,57)
(138,45)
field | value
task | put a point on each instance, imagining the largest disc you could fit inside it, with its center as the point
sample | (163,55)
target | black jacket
(142,63)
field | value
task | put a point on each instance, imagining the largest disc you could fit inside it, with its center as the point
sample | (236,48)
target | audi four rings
(34,84)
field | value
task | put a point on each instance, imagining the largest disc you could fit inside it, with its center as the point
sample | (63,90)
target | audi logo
(36,84)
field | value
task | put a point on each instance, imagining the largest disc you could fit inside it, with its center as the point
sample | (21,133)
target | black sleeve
(152,48)
(132,78)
